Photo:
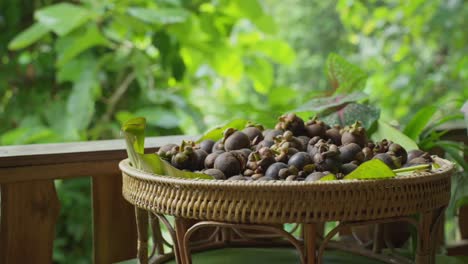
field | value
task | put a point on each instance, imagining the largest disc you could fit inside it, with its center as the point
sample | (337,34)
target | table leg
(310,231)
(142,229)
(425,253)
(181,227)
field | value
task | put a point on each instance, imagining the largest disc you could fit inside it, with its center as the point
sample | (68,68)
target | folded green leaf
(134,131)
(154,164)
(370,170)
(386,131)
(217,132)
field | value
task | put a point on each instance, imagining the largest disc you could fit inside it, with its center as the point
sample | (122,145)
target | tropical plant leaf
(370,170)
(28,36)
(62,18)
(430,128)
(217,132)
(352,112)
(420,120)
(321,104)
(386,131)
(343,76)
(134,132)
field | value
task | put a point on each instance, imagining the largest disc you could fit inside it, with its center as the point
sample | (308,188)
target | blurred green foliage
(75,70)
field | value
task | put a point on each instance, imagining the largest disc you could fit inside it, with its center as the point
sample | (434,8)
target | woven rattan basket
(277,202)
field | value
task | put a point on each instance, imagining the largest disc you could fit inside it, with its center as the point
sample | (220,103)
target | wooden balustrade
(30,207)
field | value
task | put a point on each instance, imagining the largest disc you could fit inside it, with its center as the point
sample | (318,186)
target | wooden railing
(30,207)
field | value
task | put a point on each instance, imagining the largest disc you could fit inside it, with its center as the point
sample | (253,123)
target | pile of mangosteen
(293,151)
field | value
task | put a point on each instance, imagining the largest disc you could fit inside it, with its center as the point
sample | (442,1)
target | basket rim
(446,167)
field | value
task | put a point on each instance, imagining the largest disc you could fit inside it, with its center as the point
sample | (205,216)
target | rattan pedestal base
(214,214)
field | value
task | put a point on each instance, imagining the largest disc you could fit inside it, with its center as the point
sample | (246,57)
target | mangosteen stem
(413,168)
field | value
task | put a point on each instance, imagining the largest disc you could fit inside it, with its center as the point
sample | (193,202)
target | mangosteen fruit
(334,134)
(210,159)
(234,140)
(207,145)
(228,163)
(291,122)
(348,152)
(315,127)
(215,173)
(299,160)
(354,134)
(273,170)
(391,161)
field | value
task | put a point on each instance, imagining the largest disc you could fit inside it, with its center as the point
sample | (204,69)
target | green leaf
(227,62)
(250,8)
(261,74)
(328,177)
(80,42)
(134,132)
(277,50)
(81,104)
(385,131)
(217,132)
(280,96)
(343,76)
(62,18)
(419,121)
(161,16)
(154,164)
(28,36)
(266,24)
(372,169)
(352,112)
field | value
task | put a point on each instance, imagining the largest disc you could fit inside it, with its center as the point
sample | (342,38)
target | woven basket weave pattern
(277,202)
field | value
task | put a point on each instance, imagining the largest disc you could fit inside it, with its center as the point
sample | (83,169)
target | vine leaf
(348,114)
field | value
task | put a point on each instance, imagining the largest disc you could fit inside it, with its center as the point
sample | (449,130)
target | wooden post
(142,227)
(425,253)
(310,231)
(114,227)
(182,250)
(29,211)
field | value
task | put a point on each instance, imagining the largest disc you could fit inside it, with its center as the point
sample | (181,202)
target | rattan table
(250,213)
